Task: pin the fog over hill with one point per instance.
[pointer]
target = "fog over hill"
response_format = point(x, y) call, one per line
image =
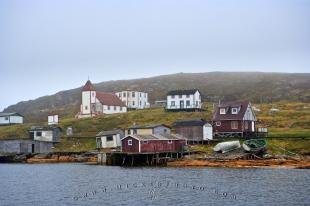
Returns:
point(254, 86)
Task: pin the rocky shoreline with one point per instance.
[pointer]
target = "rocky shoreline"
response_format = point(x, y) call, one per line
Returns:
point(193, 161)
point(55, 157)
point(242, 163)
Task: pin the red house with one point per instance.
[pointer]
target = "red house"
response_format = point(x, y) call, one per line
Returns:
point(234, 119)
point(152, 143)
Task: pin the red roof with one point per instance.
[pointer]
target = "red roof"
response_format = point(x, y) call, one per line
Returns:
point(88, 87)
point(109, 99)
point(243, 105)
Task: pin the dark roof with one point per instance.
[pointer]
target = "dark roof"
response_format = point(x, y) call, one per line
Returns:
point(88, 86)
point(189, 122)
point(150, 126)
point(5, 114)
point(44, 128)
point(243, 105)
point(109, 99)
point(182, 92)
point(156, 137)
point(110, 132)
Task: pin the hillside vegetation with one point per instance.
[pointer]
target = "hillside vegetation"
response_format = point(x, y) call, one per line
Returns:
point(292, 121)
point(254, 86)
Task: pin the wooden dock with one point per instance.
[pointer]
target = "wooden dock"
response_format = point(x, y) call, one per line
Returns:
point(138, 159)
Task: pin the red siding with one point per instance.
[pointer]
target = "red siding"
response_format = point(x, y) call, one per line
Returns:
point(152, 145)
point(226, 126)
point(130, 148)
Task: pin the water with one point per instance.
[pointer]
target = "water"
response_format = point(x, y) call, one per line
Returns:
point(80, 184)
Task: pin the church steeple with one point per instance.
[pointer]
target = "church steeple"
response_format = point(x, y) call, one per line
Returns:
point(88, 86)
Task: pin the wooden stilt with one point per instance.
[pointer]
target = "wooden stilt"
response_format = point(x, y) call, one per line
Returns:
point(132, 157)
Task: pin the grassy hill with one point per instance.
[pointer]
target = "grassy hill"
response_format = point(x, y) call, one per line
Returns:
point(254, 86)
point(292, 121)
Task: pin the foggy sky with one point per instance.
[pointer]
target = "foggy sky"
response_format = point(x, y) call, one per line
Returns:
point(48, 46)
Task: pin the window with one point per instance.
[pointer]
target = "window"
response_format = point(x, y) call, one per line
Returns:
point(145, 95)
point(218, 124)
point(135, 131)
point(39, 134)
point(114, 108)
point(172, 96)
point(188, 103)
point(128, 131)
point(169, 141)
point(145, 142)
point(109, 138)
point(234, 125)
point(120, 95)
point(108, 107)
point(129, 142)
point(246, 125)
point(180, 96)
point(234, 110)
point(133, 94)
point(165, 131)
point(93, 94)
point(121, 108)
point(222, 111)
point(133, 103)
point(140, 94)
point(6, 118)
point(140, 103)
point(86, 108)
point(173, 103)
point(124, 94)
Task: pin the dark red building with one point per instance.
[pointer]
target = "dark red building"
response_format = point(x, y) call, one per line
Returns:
point(234, 119)
point(152, 143)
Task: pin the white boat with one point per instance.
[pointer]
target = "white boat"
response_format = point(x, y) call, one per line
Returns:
point(227, 146)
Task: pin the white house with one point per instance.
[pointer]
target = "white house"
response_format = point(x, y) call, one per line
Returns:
point(134, 99)
point(10, 118)
point(96, 103)
point(184, 100)
point(109, 139)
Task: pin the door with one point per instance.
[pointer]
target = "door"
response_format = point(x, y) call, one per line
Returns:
point(32, 148)
point(253, 126)
point(181, 104)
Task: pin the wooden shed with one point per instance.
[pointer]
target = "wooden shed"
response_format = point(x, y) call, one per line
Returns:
point(109, 139)
point(45, 134)
point(193, 130)
point(153, 143)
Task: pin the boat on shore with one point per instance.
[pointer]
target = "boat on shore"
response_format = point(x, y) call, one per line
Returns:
point(227, 146)
point(254, 145)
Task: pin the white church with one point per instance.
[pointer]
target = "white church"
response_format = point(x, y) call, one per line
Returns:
point(96, 103)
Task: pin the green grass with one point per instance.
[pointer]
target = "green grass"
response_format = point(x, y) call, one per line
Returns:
point(291, 121)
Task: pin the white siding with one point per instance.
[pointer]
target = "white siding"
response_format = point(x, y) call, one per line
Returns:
point(116, 142)
point(137, 101)
point(111, 110)
point(47, 136)
point(11, 120)
point(194, 101)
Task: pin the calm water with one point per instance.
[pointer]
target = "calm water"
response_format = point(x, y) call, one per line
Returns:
point(80, 184)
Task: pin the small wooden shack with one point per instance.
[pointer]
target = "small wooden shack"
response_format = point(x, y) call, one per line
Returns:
point(18, 146)
point(45, 134)
point(109, 139)
point(154, 143)
point(193, 130)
